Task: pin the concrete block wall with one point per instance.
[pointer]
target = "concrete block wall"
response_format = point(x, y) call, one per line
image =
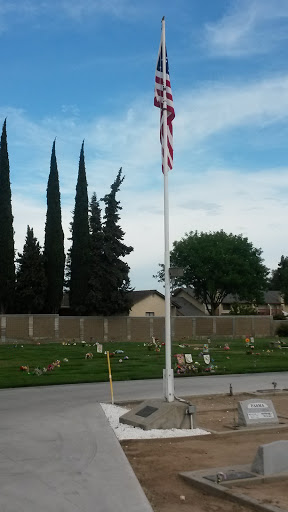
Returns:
point(137, 329)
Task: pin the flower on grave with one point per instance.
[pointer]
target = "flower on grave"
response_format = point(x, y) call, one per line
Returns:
point(50, 367)
point(24, 368)
point(44, 370)
point(126, 357)
point(65, 360)
point(120, 360)
point(37, 371)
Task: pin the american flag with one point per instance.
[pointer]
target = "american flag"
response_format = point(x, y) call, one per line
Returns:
point(158, 102)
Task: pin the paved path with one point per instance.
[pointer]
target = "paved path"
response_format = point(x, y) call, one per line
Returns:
point(59, 454)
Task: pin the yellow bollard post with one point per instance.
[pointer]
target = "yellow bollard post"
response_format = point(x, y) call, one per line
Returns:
point(110, 377)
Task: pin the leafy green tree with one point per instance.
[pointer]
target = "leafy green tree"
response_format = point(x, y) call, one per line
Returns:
point(279, 279)
point(7, 266)
point(30, 277)
point(80, 248)
point(216, 264)
point(54, 255)
point(115, 273)
point(96, 284)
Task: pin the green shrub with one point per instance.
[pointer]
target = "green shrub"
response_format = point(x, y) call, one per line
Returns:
point(282, 329)
point(242, 309)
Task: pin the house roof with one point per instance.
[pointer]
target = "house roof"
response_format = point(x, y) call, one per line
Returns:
point(186, 308)
point(270, 297)
point(138, 295)
point(187, 290)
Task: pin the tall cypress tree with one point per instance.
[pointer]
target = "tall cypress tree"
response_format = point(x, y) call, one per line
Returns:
point(7, 266)
point(30, 277)
point(115, 271)
point(54, 254)
point(80, 249)
point(94, 299)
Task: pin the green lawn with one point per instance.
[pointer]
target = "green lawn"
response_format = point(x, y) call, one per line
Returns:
point(142, 363)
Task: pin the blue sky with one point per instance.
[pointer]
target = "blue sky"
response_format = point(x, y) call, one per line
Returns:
point(85, 70)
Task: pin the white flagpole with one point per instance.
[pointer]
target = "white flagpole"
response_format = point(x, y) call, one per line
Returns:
point(168, 376)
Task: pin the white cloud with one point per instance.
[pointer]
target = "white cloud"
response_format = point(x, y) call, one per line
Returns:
point(19, 11)
point(249, 204)
point(217, 107)
point(249, 27)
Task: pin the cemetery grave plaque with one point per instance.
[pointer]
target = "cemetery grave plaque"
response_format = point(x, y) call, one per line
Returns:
point(231, 475)
point(256, 412)
point(146, 411)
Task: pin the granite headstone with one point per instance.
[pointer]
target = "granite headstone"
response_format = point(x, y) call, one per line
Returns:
point(256, 412)
point(271, 458)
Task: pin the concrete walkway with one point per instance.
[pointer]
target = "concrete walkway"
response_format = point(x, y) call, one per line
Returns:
point(59, 454)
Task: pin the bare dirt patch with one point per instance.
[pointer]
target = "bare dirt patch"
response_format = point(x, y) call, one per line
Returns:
point(158, 462)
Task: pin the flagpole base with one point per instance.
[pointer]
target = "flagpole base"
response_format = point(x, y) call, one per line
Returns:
point(168, 385)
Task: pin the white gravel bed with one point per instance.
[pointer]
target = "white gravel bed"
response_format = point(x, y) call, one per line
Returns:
point(113, 413)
